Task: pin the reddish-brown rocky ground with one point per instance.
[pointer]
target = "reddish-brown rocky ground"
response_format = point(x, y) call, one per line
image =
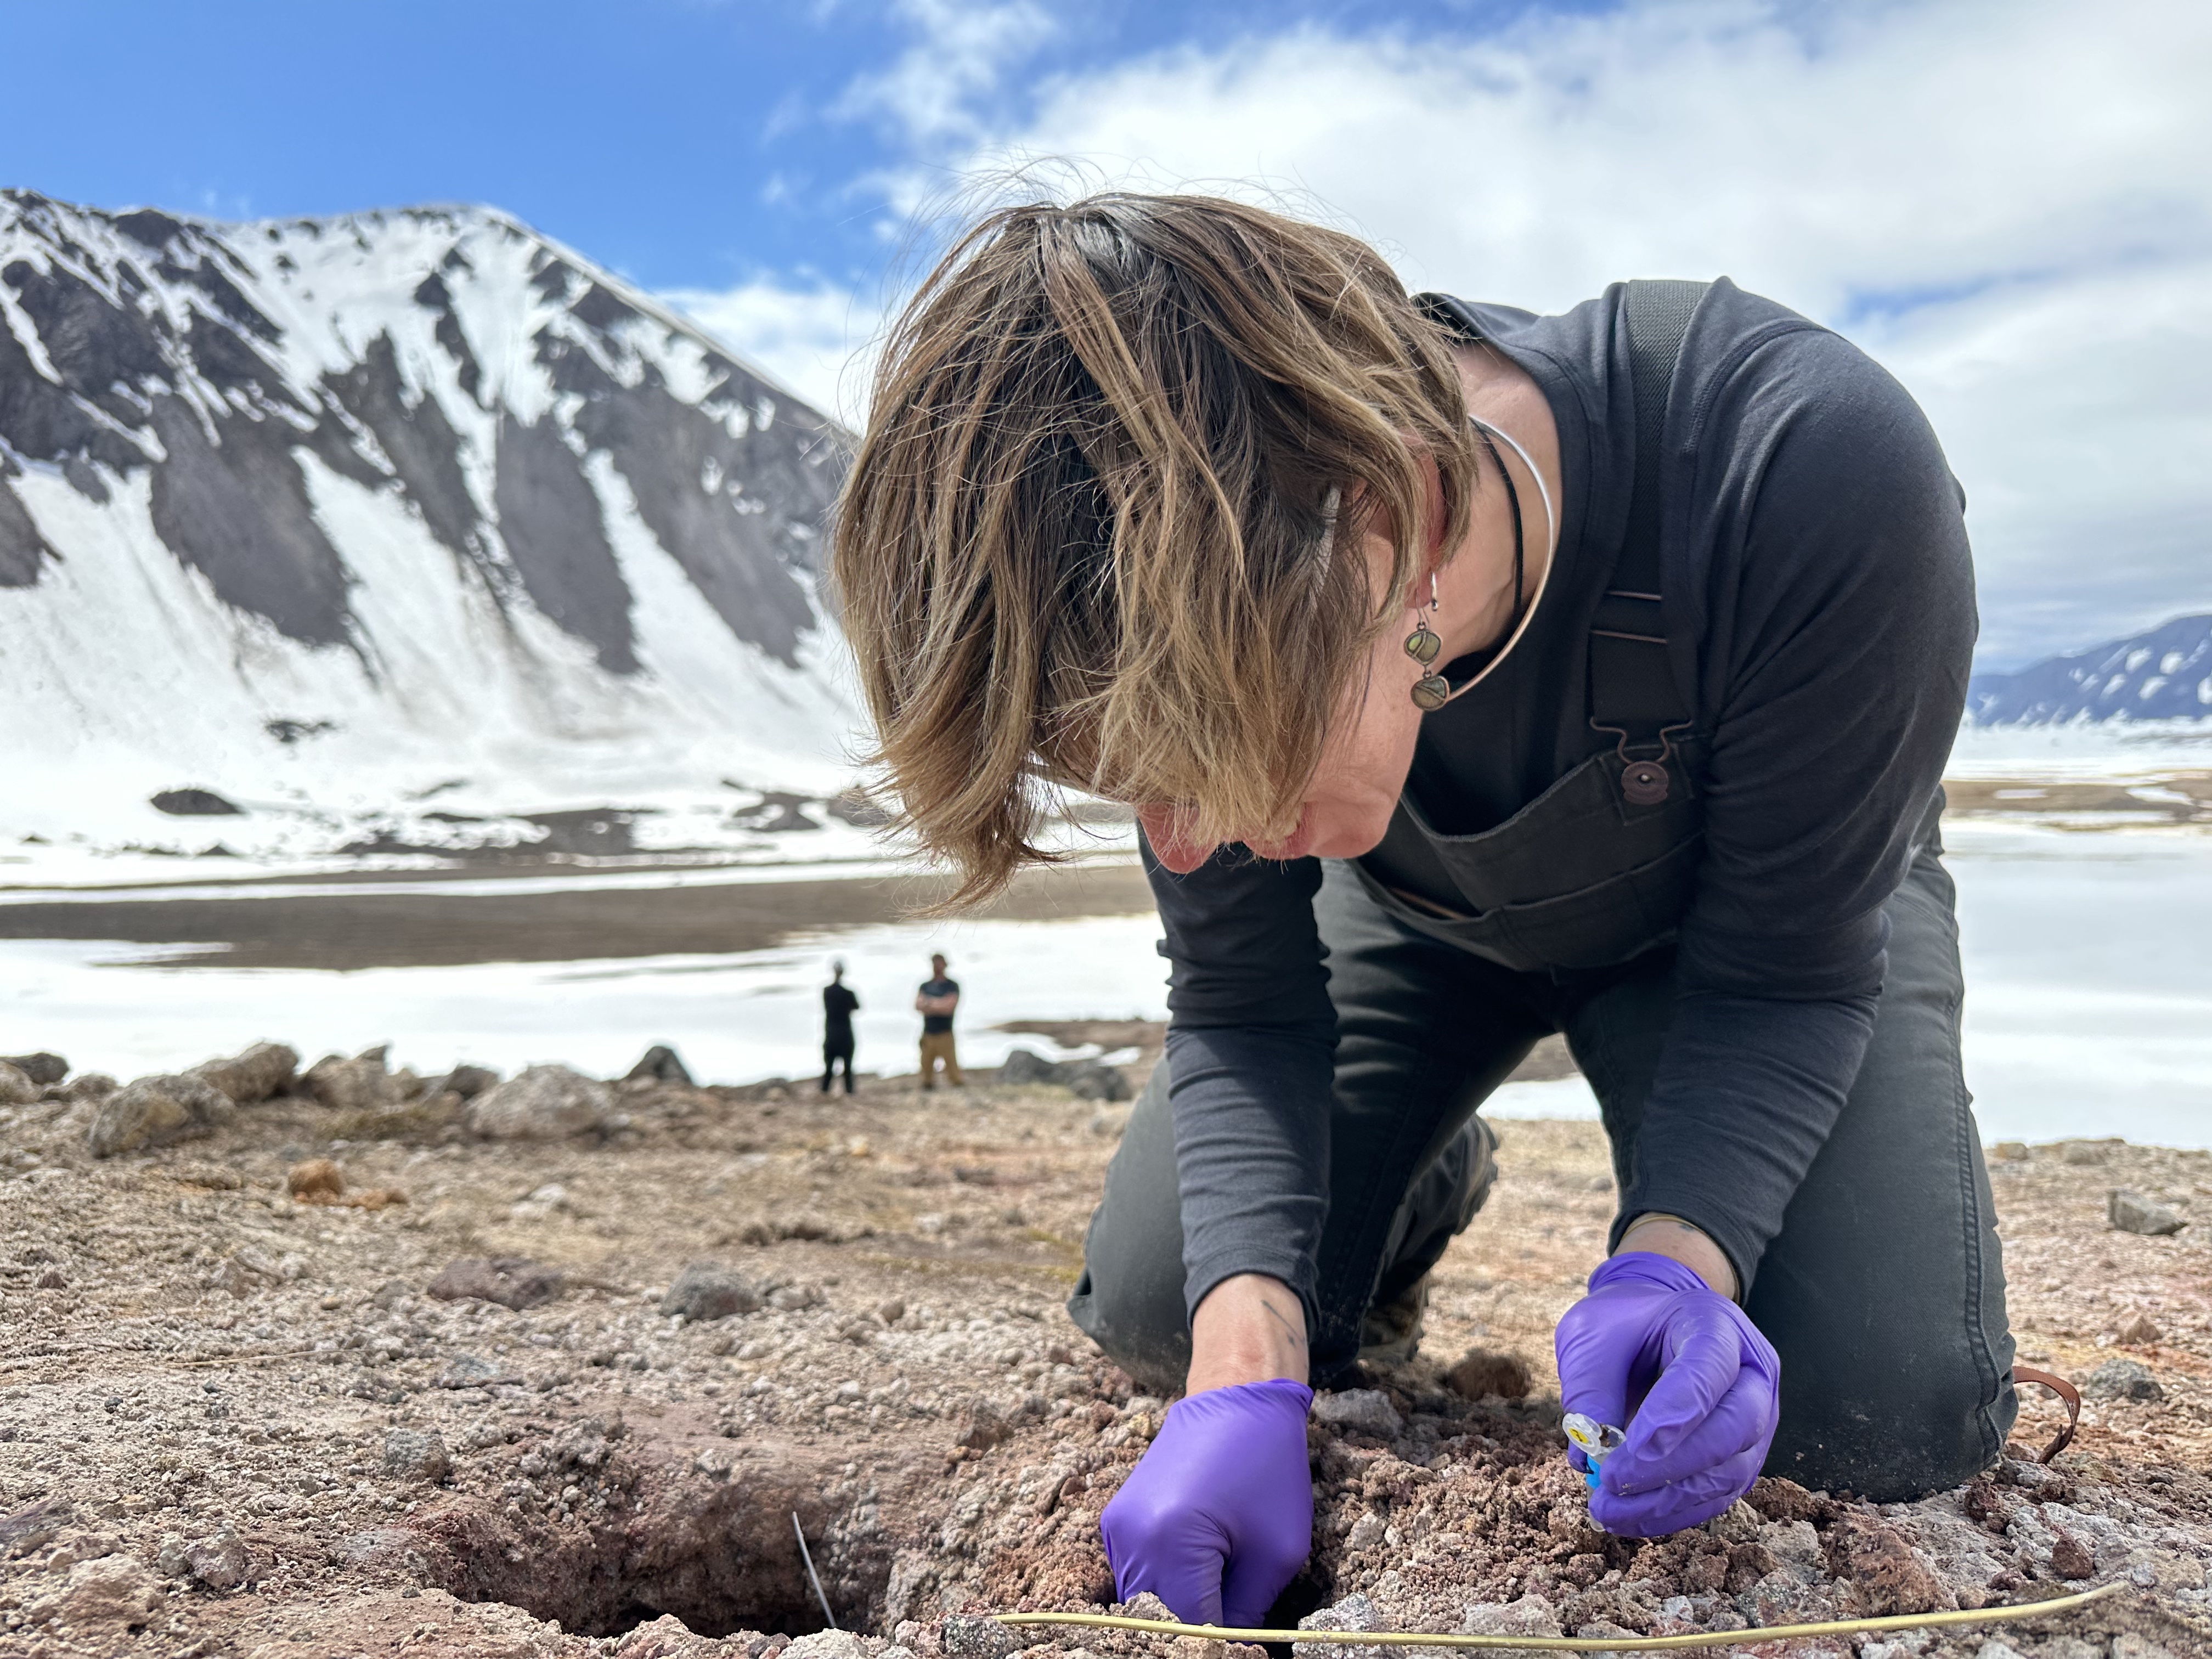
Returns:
point(233, 1423)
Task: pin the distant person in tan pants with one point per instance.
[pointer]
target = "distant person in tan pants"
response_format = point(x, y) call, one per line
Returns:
point(939, 997)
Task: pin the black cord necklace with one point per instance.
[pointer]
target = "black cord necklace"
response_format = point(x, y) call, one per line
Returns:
point(1521, 603)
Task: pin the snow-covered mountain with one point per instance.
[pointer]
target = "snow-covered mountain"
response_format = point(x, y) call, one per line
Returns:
point(2163, 675)
point(379, 527)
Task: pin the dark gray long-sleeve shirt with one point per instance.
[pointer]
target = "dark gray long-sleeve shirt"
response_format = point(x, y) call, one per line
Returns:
point(1820, 606)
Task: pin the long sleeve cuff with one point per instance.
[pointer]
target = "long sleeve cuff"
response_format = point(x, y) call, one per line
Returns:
point(1251, 1118)
point(1747, 1090)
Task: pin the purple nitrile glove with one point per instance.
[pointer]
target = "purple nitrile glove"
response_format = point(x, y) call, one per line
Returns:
point(1217, 1516)
point(1704, 1384)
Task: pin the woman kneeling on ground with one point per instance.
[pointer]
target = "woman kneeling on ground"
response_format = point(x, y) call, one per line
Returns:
point(1475, 676)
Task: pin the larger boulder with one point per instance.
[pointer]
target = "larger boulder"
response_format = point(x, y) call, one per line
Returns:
point(254, 1076)
point(542, 1103)
point(1086, 1079)
point(464, 1080)
point(1094, 1079)
point(707, 1289)
point(2131, 1212)
point(363, 1084)
point(2123, 1379)
point(155, 1111)
point(16, 1088)
point(42, 1068)
point(1026, 1065)
point(660, 1064)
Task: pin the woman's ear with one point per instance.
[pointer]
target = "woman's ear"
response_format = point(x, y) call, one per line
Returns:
point(1436, 517)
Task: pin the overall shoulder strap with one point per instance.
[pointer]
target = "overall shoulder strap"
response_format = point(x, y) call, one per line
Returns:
point(1632, 692)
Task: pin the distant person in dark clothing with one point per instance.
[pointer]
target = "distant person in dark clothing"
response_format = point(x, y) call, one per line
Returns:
point(839, 1004)
point(939, 997)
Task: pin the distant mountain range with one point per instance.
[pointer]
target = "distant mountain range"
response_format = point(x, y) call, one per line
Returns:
point(2165, 674)
point(324, 517)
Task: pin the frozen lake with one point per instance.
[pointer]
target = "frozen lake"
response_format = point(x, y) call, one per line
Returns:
point(2089, 1011)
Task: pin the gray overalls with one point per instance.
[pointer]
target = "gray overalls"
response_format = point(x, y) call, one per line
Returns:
point(1884, 1293)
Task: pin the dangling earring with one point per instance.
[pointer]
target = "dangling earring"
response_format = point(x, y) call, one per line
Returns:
point(1431, 690)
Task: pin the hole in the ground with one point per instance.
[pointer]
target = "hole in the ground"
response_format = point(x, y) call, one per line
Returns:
point(1302, 1595)
point(718, 1555)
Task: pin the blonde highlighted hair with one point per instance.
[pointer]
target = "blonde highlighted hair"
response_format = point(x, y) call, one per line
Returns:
point(1101, 533)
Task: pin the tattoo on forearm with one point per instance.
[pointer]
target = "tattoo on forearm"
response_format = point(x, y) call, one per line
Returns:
point(1296, 1329)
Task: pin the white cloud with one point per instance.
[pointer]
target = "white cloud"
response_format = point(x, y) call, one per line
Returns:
point(2007, 200)
point(818, 341)
point(961, 52)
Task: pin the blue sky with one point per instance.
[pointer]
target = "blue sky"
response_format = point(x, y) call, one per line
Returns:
point(685, 143)
point(2011, 210)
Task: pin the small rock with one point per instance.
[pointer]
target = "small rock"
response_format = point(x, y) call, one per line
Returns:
point(2128, 1645)
point(1886, 1574)
point(1737, 1524)
point(193, 803)
point(90, 1085)
point(828, 1644)
point(469, 1370)
point(1355, 1612)
point(112, 1591)
point(2131, 1212)
point(965, 1637)
point(362, 1084)
point(1997, 1648)
point(17, 1088)
point(890, 1311)
point(1367, 1411)
point(1481, 1372)
point(1781, 1499)
point(215, 1177)
point(982, 1425)
point(658, 1065)
point(416, 1455)
point(28, 1529)
point(2139, 1331)
point(254, 1076)
point(218, 1563)
point(318, 1179)
point(50, 1279)
point(2010, 1151)
point(513, 1281)
point(42, 1068)
point(544, 1103)
point(706, 1289)
point(154, 1111)
point(1531, 1615)
point(2086, 1153)
point(2123, 1379)
point(2071, 1558)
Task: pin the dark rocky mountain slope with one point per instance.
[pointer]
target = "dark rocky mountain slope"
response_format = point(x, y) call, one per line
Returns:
point(323, 514)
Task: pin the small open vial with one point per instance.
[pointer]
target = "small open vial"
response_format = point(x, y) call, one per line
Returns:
point(1597, 1441)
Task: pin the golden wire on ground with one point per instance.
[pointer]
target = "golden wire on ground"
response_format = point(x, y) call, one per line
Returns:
point(1719, 1638)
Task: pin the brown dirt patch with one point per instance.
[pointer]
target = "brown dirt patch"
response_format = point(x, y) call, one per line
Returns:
point(253, 1410)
